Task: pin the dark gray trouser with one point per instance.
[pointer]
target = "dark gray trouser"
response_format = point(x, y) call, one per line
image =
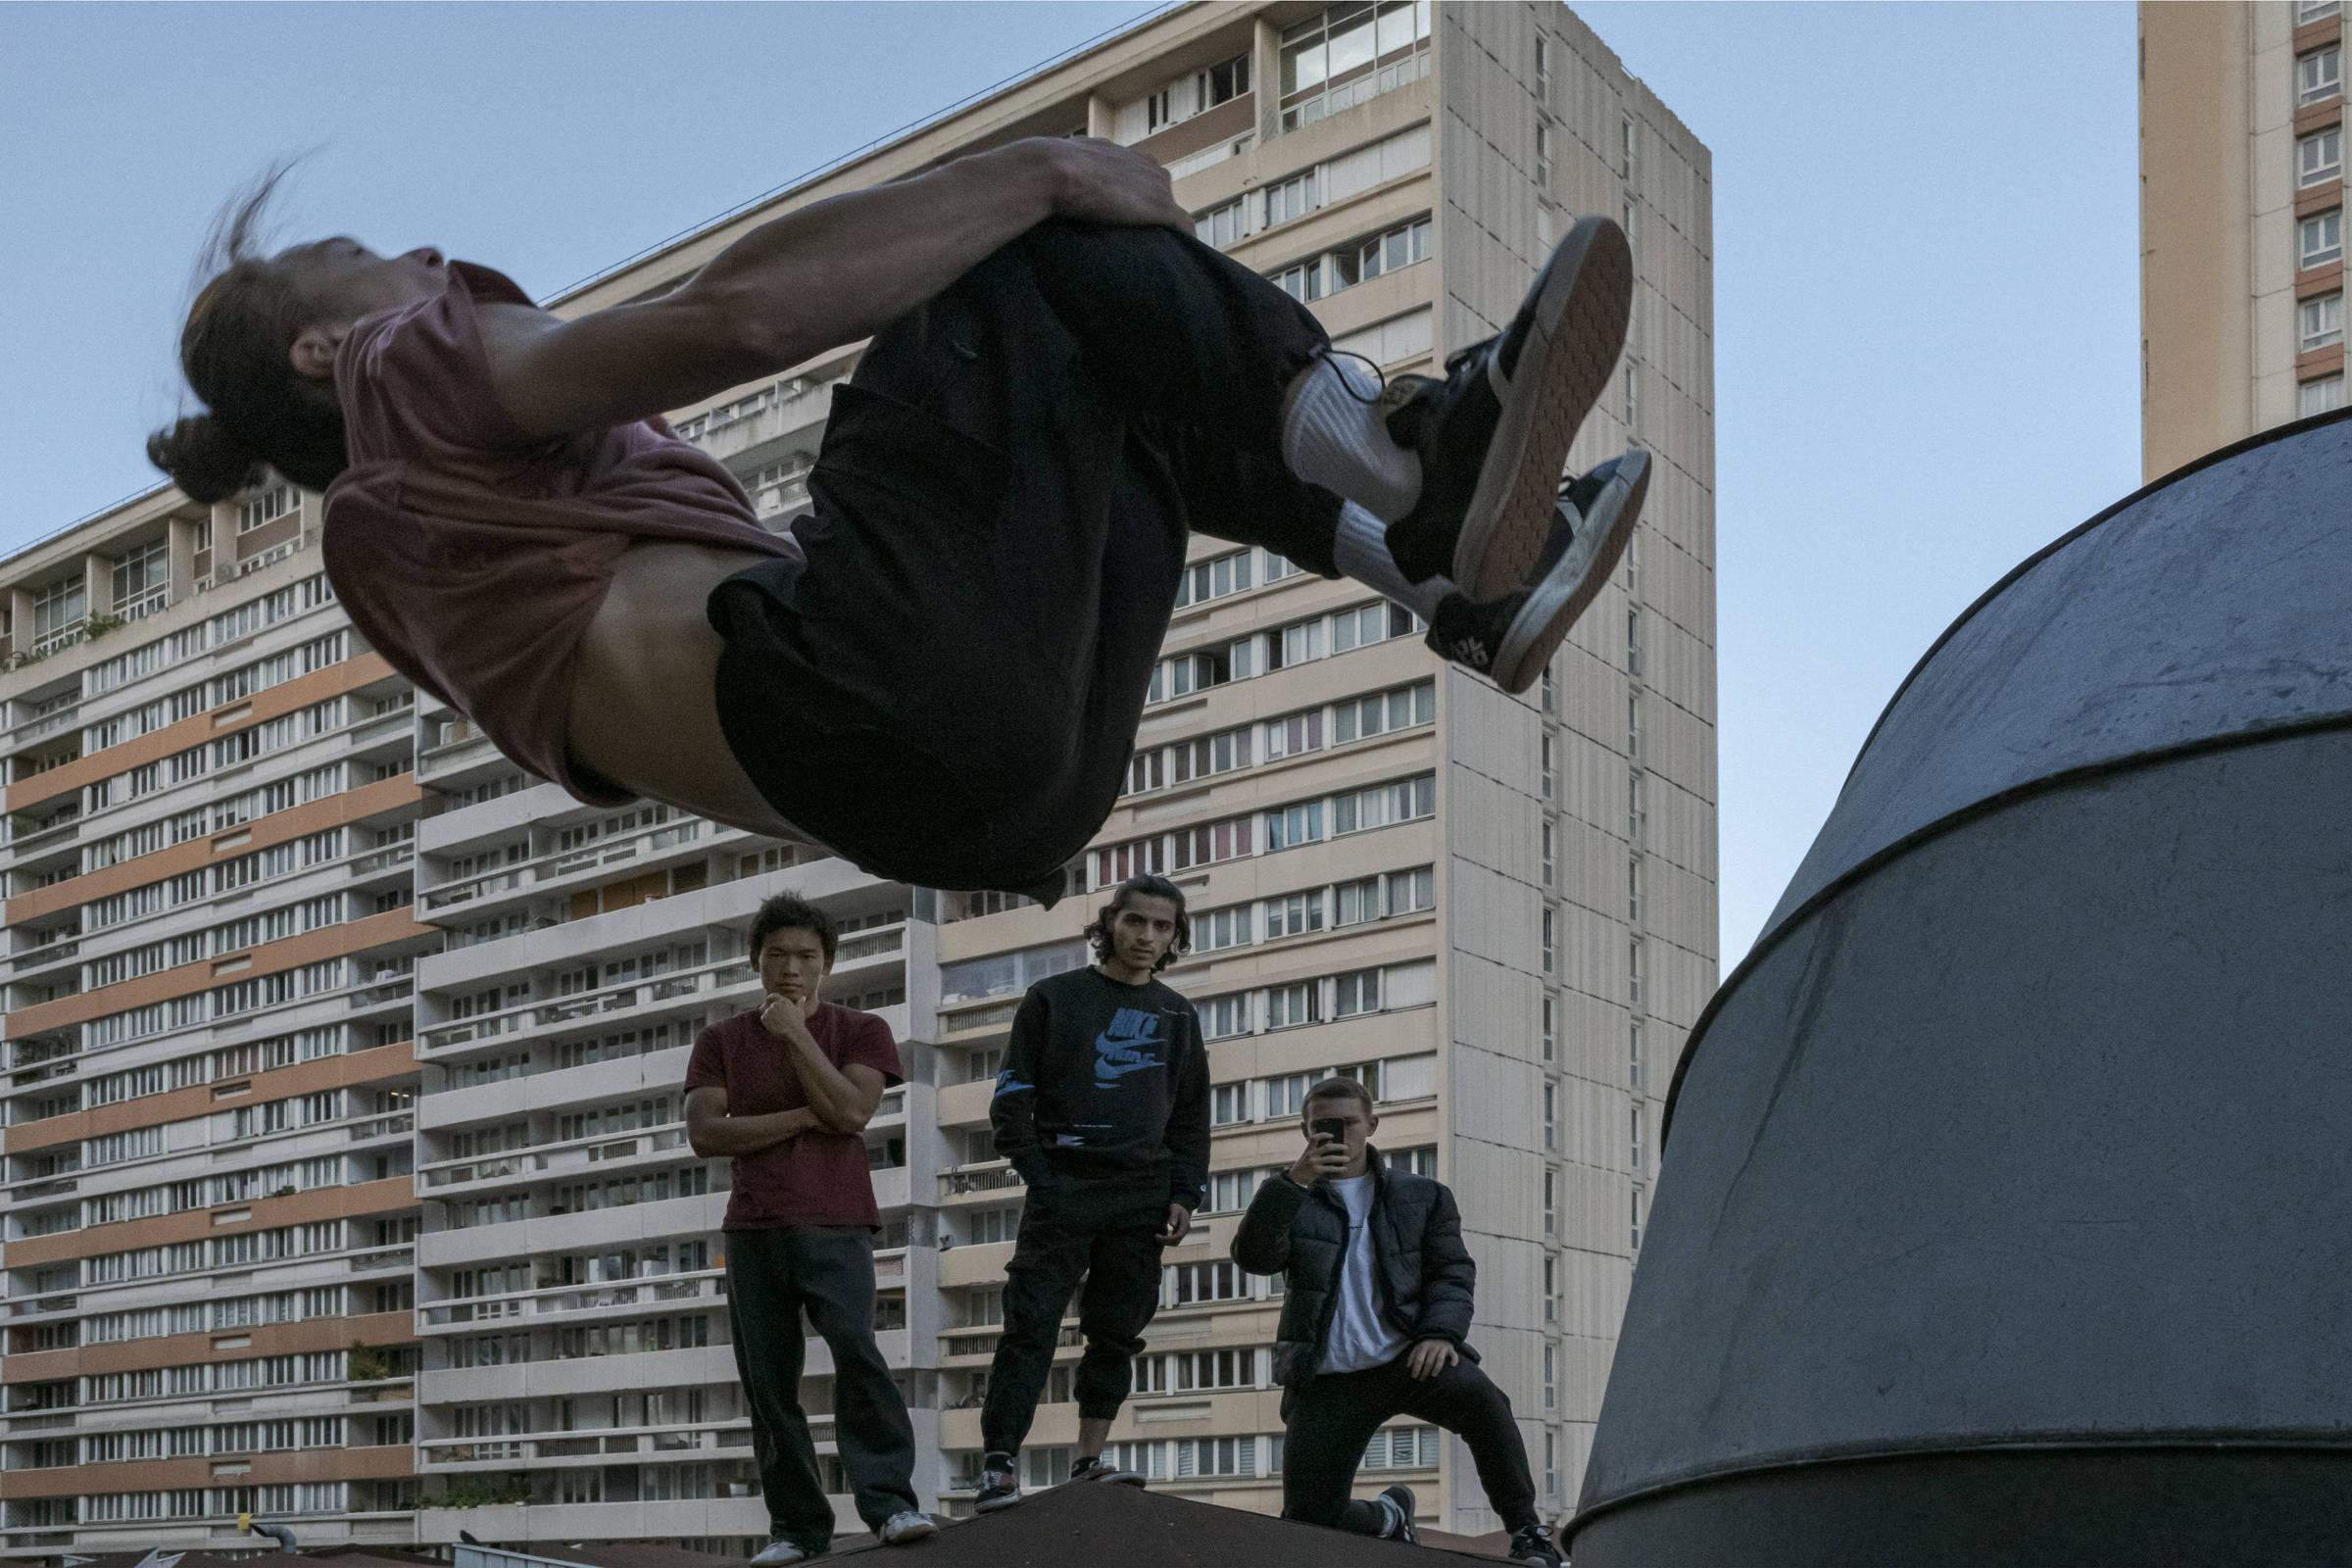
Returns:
point(1114, 1242)
point(828, 1271)
point(1334, 1417)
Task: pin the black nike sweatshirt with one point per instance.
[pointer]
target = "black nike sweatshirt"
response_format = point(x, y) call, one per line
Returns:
point(1105, 1081)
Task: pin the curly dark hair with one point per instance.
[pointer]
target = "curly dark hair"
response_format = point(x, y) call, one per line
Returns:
point(235, 350)
point(1145, 886)
point(789, 911)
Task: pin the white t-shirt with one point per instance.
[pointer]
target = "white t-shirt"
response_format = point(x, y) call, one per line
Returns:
point(1360, 1338)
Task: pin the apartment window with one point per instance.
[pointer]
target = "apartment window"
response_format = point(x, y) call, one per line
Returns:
point(1542, 153)
point(1285, 1096)
point(1633, 403)
point(1222, 225)
point(1635, 1237)
point(2320, 322)
point(1625, 149)
point(1293, 198)
point(2322, 395)
point(1551, 921)
point(1552, 1028)
point(1229, 1103)
point(1633, 891)
point(140, 574)
point(57, 606)
point(2319, 74)
point(1551, 1288)
point(1545, 753)
point(1551, 1200)
point(2319, 239)
point(2319, 158)
point(267, 507)
point(1632, 970)
point(1219, 83)
point(1634, 1150)
point(1548, 837)
point(1350, 54)
point(1635, 1076)
point(1303, 282)
point(2314, 9)
point(1543, 67)
point(1552, 1113)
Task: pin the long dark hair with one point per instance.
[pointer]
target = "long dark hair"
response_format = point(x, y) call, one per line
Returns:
point(1145, 886)
point(235, 350)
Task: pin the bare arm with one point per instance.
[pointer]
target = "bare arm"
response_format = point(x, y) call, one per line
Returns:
point(712, 1133)
point(827, 275)
point(843, 1099)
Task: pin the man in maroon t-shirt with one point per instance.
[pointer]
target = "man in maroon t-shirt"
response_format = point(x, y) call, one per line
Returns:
point(786, 1091)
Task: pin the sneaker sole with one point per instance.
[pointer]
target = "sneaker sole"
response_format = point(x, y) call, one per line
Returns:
point(1555, 605)
point(913, 1533)
point(1582, 301)
point(999, 1506)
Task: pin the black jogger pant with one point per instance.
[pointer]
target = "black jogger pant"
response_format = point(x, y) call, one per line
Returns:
point(828, 1272)
point(948, 693)
point(1334, 1417)
point(1116, 1245)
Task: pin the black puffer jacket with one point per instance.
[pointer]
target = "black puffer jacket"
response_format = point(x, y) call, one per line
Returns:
point(1426, 1279)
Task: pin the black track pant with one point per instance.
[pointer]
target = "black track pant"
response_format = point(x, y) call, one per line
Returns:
point(828, 1272)
point(1063, 1236)
point(1334, 1417)
point(948, 693)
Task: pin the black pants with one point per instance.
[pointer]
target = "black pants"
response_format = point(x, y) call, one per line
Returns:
point(948, 693)
point(1334, 1417)
point(1112, 1241)
point(828, 1272)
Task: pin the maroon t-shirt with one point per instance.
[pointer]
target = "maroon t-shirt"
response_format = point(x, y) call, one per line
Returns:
point(818, 1178)
point(472, 555)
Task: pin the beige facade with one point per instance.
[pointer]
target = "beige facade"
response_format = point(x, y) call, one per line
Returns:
point(2241, 221)
point(1500, 912)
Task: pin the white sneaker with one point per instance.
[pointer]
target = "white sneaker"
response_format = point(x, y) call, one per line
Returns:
point(905, 1526)
point(780, 1550)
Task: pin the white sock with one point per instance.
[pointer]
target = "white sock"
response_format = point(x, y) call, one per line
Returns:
point(1333, 436)
point(1361, 547)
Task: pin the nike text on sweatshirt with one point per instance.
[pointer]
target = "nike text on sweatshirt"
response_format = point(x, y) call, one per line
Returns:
point(1104, 1080)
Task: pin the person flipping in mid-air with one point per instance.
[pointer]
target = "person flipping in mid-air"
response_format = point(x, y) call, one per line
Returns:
point(939, 672)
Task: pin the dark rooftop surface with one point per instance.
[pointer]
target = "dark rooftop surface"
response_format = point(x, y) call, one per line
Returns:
point(1127, 1527)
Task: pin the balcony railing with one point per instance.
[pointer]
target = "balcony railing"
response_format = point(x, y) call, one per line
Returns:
point(571, 1154)
point(505, 1448)
point(979, 1178)
point(47, 725)
point(561, 863)
point(557, 1299)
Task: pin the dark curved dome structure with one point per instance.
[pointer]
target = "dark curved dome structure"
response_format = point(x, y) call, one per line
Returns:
point(2008, 1211)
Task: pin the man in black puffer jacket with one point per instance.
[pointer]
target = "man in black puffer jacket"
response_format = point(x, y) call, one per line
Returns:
point(1375, 1324)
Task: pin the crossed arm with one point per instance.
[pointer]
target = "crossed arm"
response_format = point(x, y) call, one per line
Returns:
point(841, 1100)
point(827, 275)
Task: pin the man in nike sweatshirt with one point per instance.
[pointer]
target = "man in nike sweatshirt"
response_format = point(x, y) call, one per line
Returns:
point(1103, 1107)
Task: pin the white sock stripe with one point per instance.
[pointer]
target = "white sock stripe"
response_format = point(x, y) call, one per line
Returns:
point(1360, 548)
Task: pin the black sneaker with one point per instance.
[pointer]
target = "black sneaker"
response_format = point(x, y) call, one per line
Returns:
point(1493, 435)
point(1397, 1503)
point(1096, 1470)
point(1533, 1543)
point(1000, 1486)
point(1510, 639)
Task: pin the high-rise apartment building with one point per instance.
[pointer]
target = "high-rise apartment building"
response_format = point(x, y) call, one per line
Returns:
point(1498, 912)
point(2242, 161)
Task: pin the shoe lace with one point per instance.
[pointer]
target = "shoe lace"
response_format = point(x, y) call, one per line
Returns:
point(1327, 352)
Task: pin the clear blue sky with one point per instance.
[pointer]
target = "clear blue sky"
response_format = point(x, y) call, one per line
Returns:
point(1927, 298)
